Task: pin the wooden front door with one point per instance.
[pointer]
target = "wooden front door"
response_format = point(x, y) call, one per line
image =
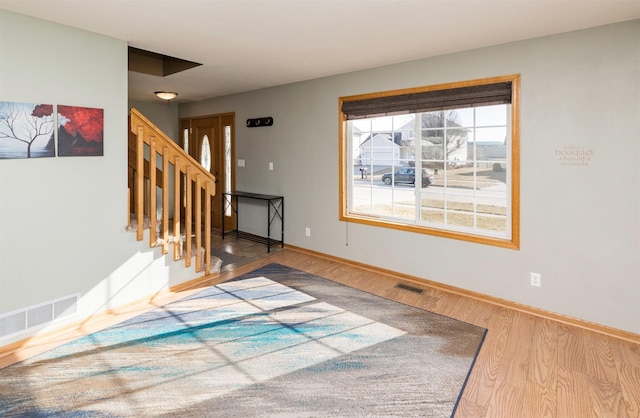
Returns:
point(210, 141)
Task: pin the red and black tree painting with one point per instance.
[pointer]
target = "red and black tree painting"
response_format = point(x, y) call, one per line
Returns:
point(80, 131)
point(26, 130)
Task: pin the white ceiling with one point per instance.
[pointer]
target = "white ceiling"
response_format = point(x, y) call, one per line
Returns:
point(250, 44)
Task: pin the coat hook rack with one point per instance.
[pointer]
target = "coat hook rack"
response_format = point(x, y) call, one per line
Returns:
point(257, 122)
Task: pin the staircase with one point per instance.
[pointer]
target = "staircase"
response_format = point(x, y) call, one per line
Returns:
point(170, 193)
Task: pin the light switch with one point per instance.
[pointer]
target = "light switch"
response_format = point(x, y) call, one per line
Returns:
point(240, 163)
point(271, 166)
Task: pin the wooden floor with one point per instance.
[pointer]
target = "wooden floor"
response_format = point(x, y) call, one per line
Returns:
point(528, 366)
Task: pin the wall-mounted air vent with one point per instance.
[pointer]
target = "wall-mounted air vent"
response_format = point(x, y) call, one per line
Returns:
point(36, 316)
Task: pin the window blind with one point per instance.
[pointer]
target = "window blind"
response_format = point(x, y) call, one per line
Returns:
point(428, 101)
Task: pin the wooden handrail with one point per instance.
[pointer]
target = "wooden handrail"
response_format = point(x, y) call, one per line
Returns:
point(191, 182)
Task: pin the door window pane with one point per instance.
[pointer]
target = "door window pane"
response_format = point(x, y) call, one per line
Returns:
point(185, 140)
point(205, 153)
point(227, 164)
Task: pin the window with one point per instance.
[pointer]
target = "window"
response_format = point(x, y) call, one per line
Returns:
point(185, 140)
point(227, 165)
point(205, 153)
point(440, 160)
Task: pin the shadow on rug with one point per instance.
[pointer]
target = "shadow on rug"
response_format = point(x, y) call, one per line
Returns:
point(273, 342)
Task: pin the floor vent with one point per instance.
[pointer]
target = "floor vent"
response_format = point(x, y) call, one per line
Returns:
point(409, 288)
point(32, 317)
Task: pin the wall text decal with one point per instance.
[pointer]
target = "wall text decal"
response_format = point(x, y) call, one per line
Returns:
point(574, 155)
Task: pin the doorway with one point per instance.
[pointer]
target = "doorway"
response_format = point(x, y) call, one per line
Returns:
point(210, 140)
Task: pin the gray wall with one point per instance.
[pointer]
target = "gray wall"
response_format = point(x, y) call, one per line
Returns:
point(62, 219)
point(580, 224)
point(163, 115)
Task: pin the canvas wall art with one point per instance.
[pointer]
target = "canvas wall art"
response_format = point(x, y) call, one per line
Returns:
point(80, 131)
point(26, 130)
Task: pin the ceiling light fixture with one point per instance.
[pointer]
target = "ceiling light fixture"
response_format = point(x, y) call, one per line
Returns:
point(166, 95)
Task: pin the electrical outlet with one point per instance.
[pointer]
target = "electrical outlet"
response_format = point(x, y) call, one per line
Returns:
point(307, 232)
point(536, 279)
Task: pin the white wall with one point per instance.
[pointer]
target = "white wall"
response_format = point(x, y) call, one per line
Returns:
point(62, 220)
point(580, 224)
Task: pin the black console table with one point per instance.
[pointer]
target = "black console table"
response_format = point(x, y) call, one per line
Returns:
point(275, 210)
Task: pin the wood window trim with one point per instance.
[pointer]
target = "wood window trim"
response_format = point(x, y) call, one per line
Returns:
point(513, 242)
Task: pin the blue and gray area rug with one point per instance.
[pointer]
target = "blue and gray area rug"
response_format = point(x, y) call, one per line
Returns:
point(273, 342)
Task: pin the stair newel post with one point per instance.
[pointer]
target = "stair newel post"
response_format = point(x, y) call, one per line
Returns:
point(165, 200)
point(139, 192)
point(188, 218)
point(152, 193)
point(176, 208)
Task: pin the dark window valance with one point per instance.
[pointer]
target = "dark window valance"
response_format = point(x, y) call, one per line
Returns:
point(428, 101)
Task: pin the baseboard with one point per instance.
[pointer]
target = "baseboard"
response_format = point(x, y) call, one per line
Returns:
point(19, 350)
point(565, 319)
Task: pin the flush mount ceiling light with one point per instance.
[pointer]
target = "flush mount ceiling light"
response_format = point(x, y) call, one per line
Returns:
point(166, 95)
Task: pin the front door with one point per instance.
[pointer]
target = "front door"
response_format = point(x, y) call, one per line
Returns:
point(209, 140)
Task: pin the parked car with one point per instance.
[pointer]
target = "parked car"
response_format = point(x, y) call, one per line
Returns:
point(408, 175)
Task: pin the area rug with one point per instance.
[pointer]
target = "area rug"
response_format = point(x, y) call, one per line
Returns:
point(273, 342)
